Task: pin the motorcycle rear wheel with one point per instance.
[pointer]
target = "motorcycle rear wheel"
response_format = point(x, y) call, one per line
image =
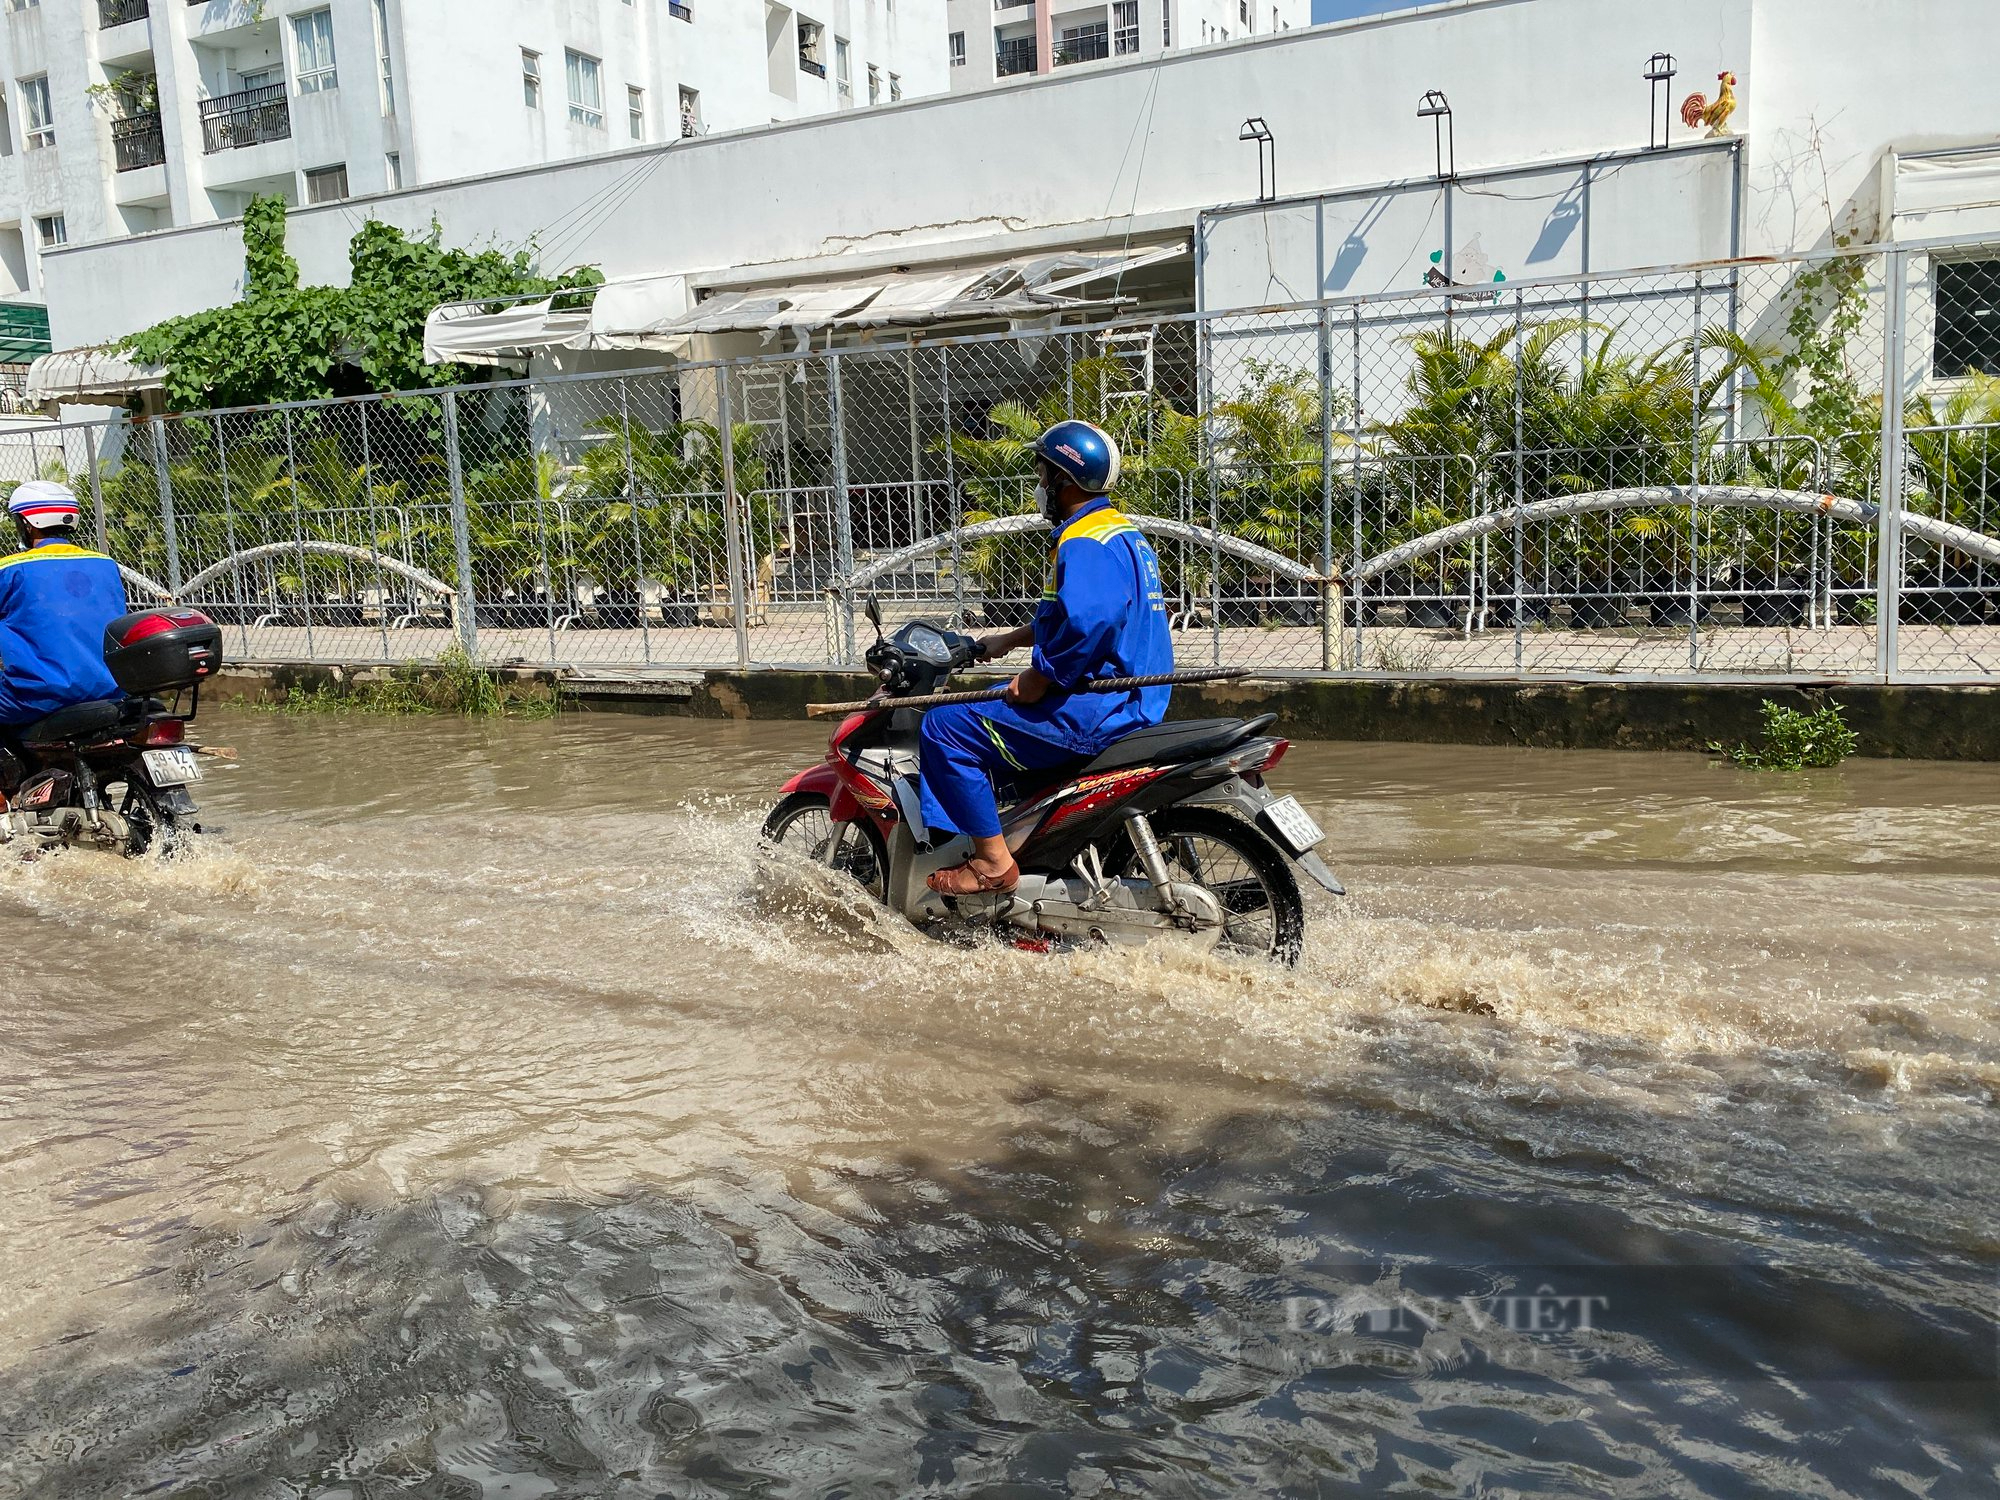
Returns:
point(153, 826)
point(1248, 874)
point(802, 824)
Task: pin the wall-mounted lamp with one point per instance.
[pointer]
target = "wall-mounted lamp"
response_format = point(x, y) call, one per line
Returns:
point(1437, 109)
point(1254, 129)
point(1660, 112)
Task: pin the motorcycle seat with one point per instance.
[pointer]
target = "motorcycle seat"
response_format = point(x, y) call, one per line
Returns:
point(74, 722)
point(1187, 739)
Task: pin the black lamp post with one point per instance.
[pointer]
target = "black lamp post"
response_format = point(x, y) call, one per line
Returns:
point(1437, 109)
point(1660, 109)
point(1254, 129)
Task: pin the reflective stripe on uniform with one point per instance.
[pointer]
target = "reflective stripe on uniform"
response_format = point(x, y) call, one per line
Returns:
point(51, 550)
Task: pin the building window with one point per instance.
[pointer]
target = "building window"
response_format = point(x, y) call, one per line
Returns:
point(895, 87)
point(874, 84)
point(956, 47)
point(1967, 337)
point(52, 231)
point(635, 112)
point(1086, 43)
point(843, 67)
point(382, 52)
point(690, 113)
point(586, 89)
point(393, 167)
point(1243, 11)
point(312, 35)
point(1166, 23)
point(531, 78)
point(1124, 26)
point(327, 184)
point(39, 120)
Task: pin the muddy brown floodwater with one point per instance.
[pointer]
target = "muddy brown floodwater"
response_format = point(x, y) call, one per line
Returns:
point(476, 1115)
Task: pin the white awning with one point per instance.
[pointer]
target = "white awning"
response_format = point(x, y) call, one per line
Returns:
point(769, 310)
point(1938, 193)
point(654, 312)
point(631, 313)
point(914, 299)
point(460, 334)
point(86, 377)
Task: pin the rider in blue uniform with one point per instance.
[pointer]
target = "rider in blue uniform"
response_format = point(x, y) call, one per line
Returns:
point(55, 600)
point(1103, 614)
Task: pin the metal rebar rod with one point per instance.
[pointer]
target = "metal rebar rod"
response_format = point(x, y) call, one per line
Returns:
point(994, 694)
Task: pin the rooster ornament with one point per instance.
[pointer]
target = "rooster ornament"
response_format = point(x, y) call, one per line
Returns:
point(1714, 113)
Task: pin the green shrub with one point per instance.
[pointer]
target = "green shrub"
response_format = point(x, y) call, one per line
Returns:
point(1793, 740)
point(454, 684)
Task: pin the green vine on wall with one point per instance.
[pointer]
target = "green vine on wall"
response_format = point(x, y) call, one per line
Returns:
point(287, 342)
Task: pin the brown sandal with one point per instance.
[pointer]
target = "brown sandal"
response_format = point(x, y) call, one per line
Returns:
point(963, 880)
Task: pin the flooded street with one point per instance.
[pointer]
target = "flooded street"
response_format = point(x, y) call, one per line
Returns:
point(476, 1116)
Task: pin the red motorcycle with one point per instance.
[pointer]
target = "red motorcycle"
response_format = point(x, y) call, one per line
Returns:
point(114, 774)
point(1171, 832)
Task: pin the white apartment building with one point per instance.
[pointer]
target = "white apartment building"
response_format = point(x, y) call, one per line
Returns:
point(121, 117)
point(986, 40)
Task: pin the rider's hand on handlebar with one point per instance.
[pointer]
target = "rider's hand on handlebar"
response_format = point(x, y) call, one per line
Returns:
point(1001, 642)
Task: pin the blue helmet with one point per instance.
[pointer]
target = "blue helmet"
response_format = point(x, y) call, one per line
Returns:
point(1087, 456)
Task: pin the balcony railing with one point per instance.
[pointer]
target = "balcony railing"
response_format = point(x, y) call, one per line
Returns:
point(679, 11)
point(248, 118)
point(1015, 57)
point(118, 12)
point(1084, 46)
point(137, 141)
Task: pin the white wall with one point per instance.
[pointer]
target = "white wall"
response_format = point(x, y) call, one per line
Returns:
point(1098, 150)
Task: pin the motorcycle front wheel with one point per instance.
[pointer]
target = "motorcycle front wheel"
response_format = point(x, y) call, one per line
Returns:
point(802, 824)
point(1264, 916)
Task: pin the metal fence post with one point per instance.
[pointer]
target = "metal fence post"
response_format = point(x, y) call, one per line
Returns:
point(1206, 387)
point(1354, 591)
point(96, 488)
point(1694, 493)
point(374, 532)
point(1329, 593)
point(1520, 486)
point(165, 484)
point(843, 517)
point(243, 612)
point(1889, 486)
point(638, 522)
point(732, 524)
point(461, 531)
point(951, 492)
point(299, 534)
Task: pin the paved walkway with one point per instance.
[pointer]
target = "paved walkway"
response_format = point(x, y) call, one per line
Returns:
point(803, 640)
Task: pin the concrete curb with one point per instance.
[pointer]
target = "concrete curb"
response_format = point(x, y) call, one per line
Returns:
point(1905, 722)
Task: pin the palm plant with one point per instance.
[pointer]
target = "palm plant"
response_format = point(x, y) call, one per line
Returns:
point(659, 501)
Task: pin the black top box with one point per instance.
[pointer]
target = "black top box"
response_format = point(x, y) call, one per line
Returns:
point(162, 650)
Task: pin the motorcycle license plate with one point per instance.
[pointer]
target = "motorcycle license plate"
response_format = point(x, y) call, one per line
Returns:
point(172, 767)
point(1292, 824)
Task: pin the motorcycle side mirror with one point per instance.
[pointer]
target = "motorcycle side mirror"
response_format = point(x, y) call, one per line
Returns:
point(873, 608)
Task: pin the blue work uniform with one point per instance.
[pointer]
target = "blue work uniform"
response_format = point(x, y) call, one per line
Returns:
point(55, 601)
point(1103, 614)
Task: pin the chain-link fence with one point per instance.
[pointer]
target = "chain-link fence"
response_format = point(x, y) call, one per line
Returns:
point(1669, 475)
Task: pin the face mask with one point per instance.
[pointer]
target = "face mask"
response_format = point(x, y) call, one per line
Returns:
point(1046, 500)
